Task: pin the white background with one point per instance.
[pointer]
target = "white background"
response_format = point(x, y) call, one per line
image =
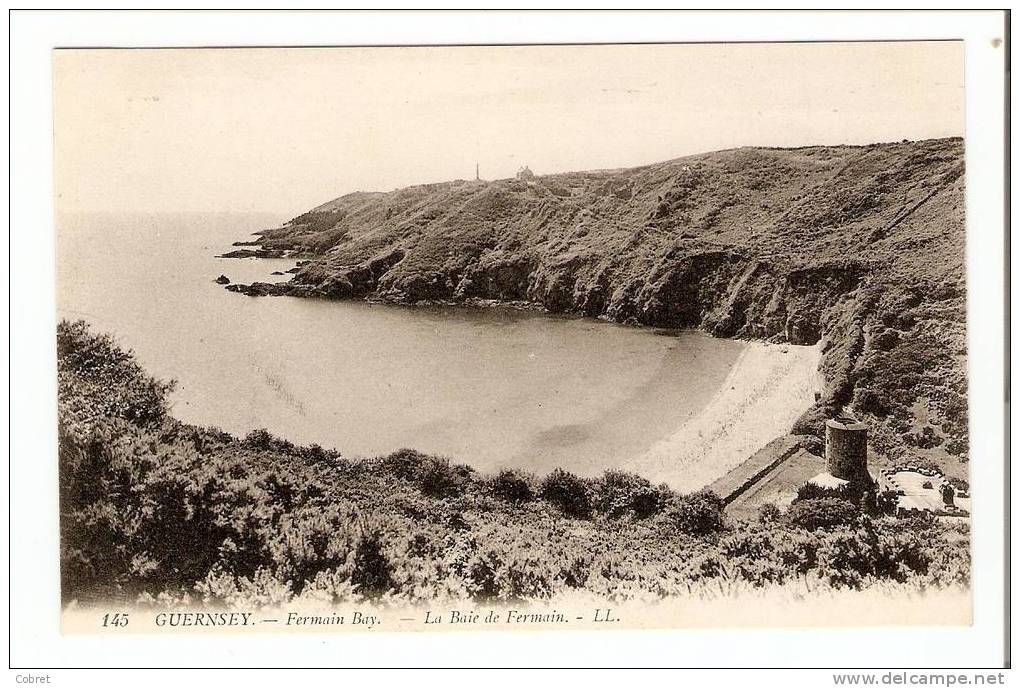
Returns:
point(34, 601)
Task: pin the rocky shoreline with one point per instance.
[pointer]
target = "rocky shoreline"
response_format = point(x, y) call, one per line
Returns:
point(254, 253)
point(859, 249)
point(753, 302)
point(291, 288)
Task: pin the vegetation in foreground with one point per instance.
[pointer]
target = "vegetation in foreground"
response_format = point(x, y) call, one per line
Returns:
point(152, 509)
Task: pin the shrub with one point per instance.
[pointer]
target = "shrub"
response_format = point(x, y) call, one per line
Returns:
point(618, 493)
point(98, 380)
point(261, 589)
point(813, 491)
point(769, 513)
point(372, 569)
point(404, 463)
point(960, 484)
point(437, 478)
point(698, 513)
point(307, 542)
point(812, 421)
point(511, 575)
point(751, 555)
point(886, 339)
point(827, 512)
point(864, 497)
point(567, 492)
point(260, 438)
point(511, 486)
point(925, 439)
point(869, 401)
point(264, 440)
point(886, 503)
point(314, 453)
point(433, 475)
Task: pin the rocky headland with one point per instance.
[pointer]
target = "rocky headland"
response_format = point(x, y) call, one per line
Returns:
point(859, 249)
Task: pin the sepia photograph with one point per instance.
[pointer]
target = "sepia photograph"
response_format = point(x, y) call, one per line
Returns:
point(514, 359)
point(514, 338)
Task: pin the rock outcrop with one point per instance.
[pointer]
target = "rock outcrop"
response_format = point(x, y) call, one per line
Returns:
point(254, 253)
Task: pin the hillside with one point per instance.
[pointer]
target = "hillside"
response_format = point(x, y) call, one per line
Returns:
point(861, 247)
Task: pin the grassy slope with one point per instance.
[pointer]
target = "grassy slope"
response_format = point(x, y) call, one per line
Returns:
point(861, 247)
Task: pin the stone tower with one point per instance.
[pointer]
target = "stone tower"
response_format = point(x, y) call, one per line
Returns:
point(846, 450)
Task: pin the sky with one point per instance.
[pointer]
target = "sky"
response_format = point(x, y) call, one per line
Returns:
point(282, 130)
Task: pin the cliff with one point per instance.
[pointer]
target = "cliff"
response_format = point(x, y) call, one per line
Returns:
point(861, 247)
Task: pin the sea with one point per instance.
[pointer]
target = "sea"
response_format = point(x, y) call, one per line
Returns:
point(488, 387)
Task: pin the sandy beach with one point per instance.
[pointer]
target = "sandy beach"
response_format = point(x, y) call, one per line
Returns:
point(767, 389)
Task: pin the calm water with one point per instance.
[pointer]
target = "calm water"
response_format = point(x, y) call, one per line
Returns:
point(486, 387)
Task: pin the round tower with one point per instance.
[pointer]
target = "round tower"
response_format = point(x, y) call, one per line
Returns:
point(846, 449)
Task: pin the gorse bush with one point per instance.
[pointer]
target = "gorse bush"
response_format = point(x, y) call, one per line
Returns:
point(303, 547)
point(866, 498)
point(886, 503)
point(960, 484)
point(155, 510)
point(567, 492)
point(512, 486)
point(841, 558)
point(618, 493)
point(405, 463)
point(99, 380)
point(828, 512)
point(433, 475)
point(698, 513)
point(437, 478)
point(769, 513)
point(266, 441)
point(813, 491)
point(372, 574)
